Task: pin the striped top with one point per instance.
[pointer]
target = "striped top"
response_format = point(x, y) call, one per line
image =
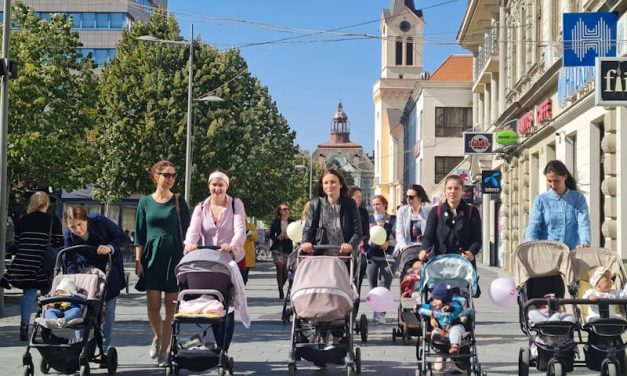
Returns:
point(31, 240)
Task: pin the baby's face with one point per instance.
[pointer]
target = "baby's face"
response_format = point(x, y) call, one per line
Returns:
point(61, 292)
point(605, 283)
point(436, 303)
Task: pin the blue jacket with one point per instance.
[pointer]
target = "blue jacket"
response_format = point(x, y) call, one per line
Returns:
point(562, 218)
point(102, 231)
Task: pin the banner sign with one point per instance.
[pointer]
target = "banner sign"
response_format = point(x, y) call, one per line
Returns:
point(611, 82)
point(491, 181)
point(588, 36)
point(478, 143)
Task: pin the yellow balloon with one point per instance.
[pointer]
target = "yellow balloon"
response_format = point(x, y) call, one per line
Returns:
point(295, 231)
point(378, 235)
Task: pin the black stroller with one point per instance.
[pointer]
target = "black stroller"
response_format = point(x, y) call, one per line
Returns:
point(58, 348)
point(323, 298)
point(202, 273)
point(408, 325)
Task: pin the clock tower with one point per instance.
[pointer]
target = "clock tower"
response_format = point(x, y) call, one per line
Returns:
point(401, 30)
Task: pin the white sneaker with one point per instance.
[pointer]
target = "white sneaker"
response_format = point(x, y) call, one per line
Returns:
point(154, 349)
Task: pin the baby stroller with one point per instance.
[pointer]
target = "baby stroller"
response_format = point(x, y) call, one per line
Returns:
point(202, 274)
point(361, 325)
point(457, 272)
point(604, 350)
point(58, 347)
point(286, 313)
point(408, 324)
point(541, 268)
point(323, 297)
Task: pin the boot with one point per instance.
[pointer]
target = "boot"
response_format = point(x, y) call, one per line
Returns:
point(281, 294)
point(24, 332)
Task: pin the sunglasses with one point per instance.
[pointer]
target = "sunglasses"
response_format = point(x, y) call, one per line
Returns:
point(167, 175)
point(409, 197)
point(282, 209)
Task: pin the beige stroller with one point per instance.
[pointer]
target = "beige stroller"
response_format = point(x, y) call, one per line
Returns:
point(322, 299)
point(604, 349)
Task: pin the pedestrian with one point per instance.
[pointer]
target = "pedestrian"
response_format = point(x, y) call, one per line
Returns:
point(453, 227)
point(249, 248)
point(107, 238)
point(220, 221)
point(412, 218)
point(33, 233)
point(282, 246)
point(561, 213)
point(161, 222)
point(357, 195)
point(333, 219)
point(379, 268)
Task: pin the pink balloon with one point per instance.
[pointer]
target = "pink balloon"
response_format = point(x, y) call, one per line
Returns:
point(379, 299)
point(503, 292)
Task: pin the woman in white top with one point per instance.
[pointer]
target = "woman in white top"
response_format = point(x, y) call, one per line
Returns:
point(411, 219)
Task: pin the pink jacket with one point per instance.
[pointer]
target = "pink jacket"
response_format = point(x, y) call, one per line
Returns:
point(231, 227)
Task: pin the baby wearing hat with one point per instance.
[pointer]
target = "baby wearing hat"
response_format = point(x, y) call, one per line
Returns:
point(58, 314)
point(601, 281)
point(446, 314)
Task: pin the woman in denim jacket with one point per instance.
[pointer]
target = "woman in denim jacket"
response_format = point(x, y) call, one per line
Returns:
point(561, 213)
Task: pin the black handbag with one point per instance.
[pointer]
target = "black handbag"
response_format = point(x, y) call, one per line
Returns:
point(50, 255)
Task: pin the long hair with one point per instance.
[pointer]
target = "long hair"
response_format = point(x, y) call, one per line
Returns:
point(37, 201)
point(559, 168)
point(420, 192)
point(340, 177)
point(276, 214)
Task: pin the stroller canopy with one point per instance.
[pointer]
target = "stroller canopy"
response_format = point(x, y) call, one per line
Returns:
point(454, 270)
point(584, 259)
point(203, 261)
point(542, 258)
point(407, 255)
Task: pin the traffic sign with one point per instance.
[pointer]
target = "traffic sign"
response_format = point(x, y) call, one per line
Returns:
point(588, 36)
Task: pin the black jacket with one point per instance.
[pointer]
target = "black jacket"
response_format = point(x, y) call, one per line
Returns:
point(285, 245)
point(451, 235)
point(365, 224)
point(349, 221)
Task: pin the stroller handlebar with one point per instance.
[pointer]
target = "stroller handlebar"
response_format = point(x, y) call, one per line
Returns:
point(77, 248)
point(325, 250)
point(560, 302)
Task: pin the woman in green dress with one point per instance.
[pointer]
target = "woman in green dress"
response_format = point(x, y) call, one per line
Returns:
point(162, 219)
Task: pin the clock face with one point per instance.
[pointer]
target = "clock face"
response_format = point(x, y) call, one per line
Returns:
point(405, 26)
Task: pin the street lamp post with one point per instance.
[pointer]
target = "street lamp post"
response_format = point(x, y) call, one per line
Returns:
point(190, 85)
point(310, 172)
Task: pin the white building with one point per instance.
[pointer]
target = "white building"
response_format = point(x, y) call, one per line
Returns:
point(435, 116)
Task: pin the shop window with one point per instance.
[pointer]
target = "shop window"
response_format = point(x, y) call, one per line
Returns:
point(452, 121)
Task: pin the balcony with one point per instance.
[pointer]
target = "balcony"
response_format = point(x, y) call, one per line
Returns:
point(487, 59)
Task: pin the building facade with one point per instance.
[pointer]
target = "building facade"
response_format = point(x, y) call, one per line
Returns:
point(99, 22)
point(401, 29)
point(520, 83)
point(434, 119)
point(346, 156)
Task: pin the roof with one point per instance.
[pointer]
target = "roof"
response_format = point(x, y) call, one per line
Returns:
point(455, 68)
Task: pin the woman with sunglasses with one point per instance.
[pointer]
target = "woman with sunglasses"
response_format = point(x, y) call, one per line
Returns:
point(411, 219)
point(162, 219)
point(281, 244)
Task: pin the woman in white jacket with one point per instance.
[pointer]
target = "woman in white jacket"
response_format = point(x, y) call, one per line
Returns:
point(411, 219)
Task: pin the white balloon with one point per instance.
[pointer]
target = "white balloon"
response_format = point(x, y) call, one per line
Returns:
point(503, 292)
point(379, 299)
point(378, 235)
point(295, 231)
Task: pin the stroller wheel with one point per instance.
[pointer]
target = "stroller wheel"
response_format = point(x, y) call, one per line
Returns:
point(358, 360)
point(112, 360)
point(609, 368)
point(84, 371)
point(29, 370)
point(231, 366)
point(523, 361)
point(44, 367)
point(555, 369)
point(363, 328)
point(291, 368)
point(350, 369)
point(221, 371)
point(405, 336)
point(394, 334)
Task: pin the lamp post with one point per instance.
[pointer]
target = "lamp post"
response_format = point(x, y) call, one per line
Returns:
point(190, 85)
point(310, 172)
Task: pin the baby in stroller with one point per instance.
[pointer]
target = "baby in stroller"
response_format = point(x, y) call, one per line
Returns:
point(446, 313)
point(601, 281)
point(58, 314)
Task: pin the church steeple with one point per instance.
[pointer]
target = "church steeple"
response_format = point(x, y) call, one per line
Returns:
point(402, 30)
point(340, 131)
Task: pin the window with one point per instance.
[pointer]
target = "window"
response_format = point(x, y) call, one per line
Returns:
point(444, 165)
point(88, 20)
point(409, 54)
point(399, 52)
point(102, 20)
point(100, 55)
point(452, 121)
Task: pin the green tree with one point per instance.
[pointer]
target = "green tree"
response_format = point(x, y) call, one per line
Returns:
point(143, 119)
point(52, 106)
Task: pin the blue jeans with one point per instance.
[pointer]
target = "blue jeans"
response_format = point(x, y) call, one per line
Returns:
point(26, 304)
point(218, 331)
point(107, 325)
point(68, 314)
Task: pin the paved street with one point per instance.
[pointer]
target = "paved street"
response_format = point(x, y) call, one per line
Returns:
point(262, 350)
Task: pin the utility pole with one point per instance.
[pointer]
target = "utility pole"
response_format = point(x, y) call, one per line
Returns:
point(4, 134)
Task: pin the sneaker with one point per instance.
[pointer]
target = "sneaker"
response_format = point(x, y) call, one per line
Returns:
point(381, 319)
point(162, 360)
point(24, 332)
point(154, 349)
point(194, 342)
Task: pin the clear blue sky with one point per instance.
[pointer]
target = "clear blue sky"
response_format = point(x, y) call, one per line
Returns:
point(308, 76)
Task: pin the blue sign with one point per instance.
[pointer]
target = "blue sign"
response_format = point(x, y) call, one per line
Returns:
point(588, 36)
point(491, 181)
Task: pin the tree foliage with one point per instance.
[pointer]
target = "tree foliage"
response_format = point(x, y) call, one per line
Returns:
point(52, 105)
point(143, 112)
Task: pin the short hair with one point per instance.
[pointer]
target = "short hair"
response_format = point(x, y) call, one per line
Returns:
point(37, 201)
point(353, 189)
point(158, 167)
point(74, 212)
